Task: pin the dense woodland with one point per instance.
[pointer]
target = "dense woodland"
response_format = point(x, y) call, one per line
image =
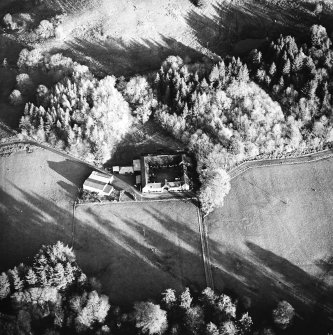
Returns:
point(299, 76)
point(53, 296)
point(80, 113)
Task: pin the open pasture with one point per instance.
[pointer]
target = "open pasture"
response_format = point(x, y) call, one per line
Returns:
point(272, 240)
point(139, 249)
point(37, 191)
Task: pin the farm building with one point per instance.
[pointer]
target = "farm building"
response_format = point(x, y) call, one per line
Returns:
point(138, 179)
point(126, 170)
point(137, 165)
point(115, 169)
point(99, 183)
point(161, 173)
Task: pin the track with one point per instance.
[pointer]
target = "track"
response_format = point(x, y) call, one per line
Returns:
point(205, 250)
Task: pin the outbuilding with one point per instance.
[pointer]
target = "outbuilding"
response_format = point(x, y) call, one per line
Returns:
point(126, 170)
point(99, 183)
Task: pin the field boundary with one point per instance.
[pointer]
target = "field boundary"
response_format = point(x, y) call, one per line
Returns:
point(307, 158)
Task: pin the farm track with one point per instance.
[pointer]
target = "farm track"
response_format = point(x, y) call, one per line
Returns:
point(205, 250)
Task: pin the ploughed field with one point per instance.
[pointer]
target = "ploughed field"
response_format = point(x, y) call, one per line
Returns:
point(137, 250)
point(272, 239)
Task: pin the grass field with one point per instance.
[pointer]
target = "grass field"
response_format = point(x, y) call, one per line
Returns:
point(139, 249)
point(135, 249)
point(272, 239)
point(37, 191)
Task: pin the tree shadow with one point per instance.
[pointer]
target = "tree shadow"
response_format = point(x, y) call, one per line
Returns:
point(234, 21)
point(137, 250)
point(148, 138)
point(267, 278)
point(65, 169)
point(138, 259)
point(114, 56)
point(26, 225)
point(69, 188)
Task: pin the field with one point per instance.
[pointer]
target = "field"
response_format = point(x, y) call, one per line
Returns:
point(135, 249)
point(272, 239)
point(37, 191)
point(139, 249)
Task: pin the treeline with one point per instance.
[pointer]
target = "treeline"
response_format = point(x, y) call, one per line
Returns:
point(299, 76)
point(53, 296)
point(80, 114)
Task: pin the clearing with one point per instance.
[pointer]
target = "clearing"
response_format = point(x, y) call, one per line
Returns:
point(137, 250)
point(272, 239)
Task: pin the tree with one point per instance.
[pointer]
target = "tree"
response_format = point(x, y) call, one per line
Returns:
point(15, 98)
point(211, 329)
point(45, 30)
point(245, 324)
point(194, 320)
point(283, 314)
point(286, 67)
point(272, 70)
point(213, 190)
point(186, 299)
point(169, 298)
point(150, 318)
point(4, 286)
point(228, 328)
point(31, 277)
point(24, 83)
point(318, 36)
point(94, 309)
point(8, 22)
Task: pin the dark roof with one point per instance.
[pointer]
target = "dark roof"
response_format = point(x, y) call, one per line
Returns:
point(99, 185)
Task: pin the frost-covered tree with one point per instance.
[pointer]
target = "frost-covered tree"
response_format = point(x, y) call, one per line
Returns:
point(150, 318)
point(283, 314)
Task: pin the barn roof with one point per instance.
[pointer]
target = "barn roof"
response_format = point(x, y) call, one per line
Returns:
point(93, 183)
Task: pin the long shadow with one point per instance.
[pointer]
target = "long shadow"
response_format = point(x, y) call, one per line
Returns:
point(26, 225)
point(139, 253)
point(267, 278)
point(149, 138)
point(66, 167)
point(116, 57)
point(143, 260)
point(239, 20)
